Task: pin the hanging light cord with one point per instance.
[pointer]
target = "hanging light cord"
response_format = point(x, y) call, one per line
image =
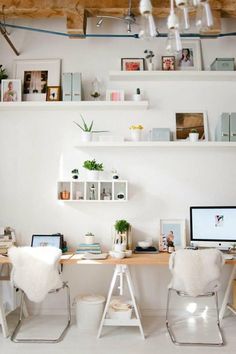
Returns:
point(136, 36)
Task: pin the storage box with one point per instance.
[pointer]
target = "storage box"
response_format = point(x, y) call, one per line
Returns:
point(223, 64)
point(160, 134)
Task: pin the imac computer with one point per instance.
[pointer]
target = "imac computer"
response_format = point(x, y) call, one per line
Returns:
point(213, 226)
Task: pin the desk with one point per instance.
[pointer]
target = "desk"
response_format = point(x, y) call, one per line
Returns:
point(160, 259)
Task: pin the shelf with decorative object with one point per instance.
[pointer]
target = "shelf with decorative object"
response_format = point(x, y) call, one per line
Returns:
point(161, 75)
point(92, 191)
point(158, 144)
point(72, 106)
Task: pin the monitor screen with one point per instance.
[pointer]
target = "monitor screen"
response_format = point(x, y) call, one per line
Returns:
point(213, 225)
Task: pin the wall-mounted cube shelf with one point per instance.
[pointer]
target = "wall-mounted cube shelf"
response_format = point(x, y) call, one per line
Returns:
point(92, 191)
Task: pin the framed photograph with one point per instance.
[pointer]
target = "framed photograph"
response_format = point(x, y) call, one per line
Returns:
point(190, 56)
point(54, 93)
point(132, 64)
point(47, 240)
point(115, 95)
point(172, 230)
point(186, 121)
point(11, 90)
point(168, 63)
point(36, 76)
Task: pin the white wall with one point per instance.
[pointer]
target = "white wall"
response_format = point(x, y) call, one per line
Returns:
point(163, 183)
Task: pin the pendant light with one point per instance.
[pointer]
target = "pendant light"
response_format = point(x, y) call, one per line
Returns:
point(183, 6)
point(204, 17)
point(174, 44)
point(149, 29)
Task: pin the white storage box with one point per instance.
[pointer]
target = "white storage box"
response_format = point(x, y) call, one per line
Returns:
point(89, 310)
point(120, 310)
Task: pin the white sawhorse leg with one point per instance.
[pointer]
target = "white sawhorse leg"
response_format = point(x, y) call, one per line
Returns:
point(3, 321)
point(227, 293)
point(120, 271)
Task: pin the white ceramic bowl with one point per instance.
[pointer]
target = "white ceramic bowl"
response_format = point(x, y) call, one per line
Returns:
point(144, 244)
point(128, 253)
point(115, 254)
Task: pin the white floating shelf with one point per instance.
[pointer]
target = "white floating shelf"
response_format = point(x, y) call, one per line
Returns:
point(82, 105)
point(158, 144)
point(172, 75)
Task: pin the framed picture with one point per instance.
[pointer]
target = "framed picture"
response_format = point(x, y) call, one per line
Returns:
point(115, 95)
point(186, 121)
point(11, 90)
point(54, 93)
point(36, 76)
point(190, 56)
point(47, 240)
point(168, 63)
point(132, 64)
point(172, 230)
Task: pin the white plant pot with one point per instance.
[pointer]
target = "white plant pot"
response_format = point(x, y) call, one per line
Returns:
point(89, 240)
point(86, 136)
point(193, 137)
point(150, 66)
point(120, 247)
point(137, 97)
point(92, 175)
point(136, 134)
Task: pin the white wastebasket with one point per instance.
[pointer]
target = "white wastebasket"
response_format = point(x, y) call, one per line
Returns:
point(89, 310)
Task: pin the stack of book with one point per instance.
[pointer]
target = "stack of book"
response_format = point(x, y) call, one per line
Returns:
point(94, 248)
point(5, 243)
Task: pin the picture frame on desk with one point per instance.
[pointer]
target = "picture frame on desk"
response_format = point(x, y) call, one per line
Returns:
point(36, 75)
point(173, 229)
point(185, 121)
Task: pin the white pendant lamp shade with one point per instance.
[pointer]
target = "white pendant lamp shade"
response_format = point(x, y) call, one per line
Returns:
point(204, 18)
point(172, 21)
point(145, 7)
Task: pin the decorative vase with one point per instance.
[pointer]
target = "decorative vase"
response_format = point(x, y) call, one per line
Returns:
point(92, 175)
point(193, 137)
point(137, 97)
point(150, 66)
point(136, 134)
point(86, 136)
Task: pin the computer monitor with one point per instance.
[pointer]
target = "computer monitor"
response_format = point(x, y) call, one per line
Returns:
point(213, 226)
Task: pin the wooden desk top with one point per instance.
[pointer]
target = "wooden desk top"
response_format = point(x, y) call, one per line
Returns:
point(136, 259)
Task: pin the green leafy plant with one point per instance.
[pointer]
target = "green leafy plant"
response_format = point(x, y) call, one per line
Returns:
point(92, 165)
point(149, 55)
point(194, 131)
point(122, 226)
point(3, 73)
point(88, 127)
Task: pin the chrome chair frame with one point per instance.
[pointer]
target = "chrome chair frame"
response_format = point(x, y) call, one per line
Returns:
point(20, 322)
point(170, 330)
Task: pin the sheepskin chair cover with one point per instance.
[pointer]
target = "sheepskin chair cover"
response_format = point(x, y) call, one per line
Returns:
point(35, 270)
point(196, 272)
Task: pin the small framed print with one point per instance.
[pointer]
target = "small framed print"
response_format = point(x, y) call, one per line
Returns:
point(132, 64)
point(53, 93)
point(47, 240)
point(168, 63)
point(186, 122)
point(189, 57)
point(115, 95)
point(174, 231)
point(11, 90)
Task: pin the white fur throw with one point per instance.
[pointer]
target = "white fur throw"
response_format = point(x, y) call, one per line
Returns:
point(196, 272)
point(35, 270)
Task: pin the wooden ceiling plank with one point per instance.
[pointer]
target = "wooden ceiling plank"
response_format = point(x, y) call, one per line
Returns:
point(77, 22)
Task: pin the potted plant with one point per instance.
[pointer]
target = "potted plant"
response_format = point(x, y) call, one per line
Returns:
point(75, 173)
point(193, 135)
point(89, 238)
point(149, 56)
point(93, 168)
point(137, 96)
point(136, 132)
point(122, 240)
point(86, 134)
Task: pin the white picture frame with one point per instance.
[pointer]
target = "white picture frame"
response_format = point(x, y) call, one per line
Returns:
point(11, 90)
point(115, 95)
point(45, 72)
point(191, 60)
point(188, 114)
point(175, 226)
